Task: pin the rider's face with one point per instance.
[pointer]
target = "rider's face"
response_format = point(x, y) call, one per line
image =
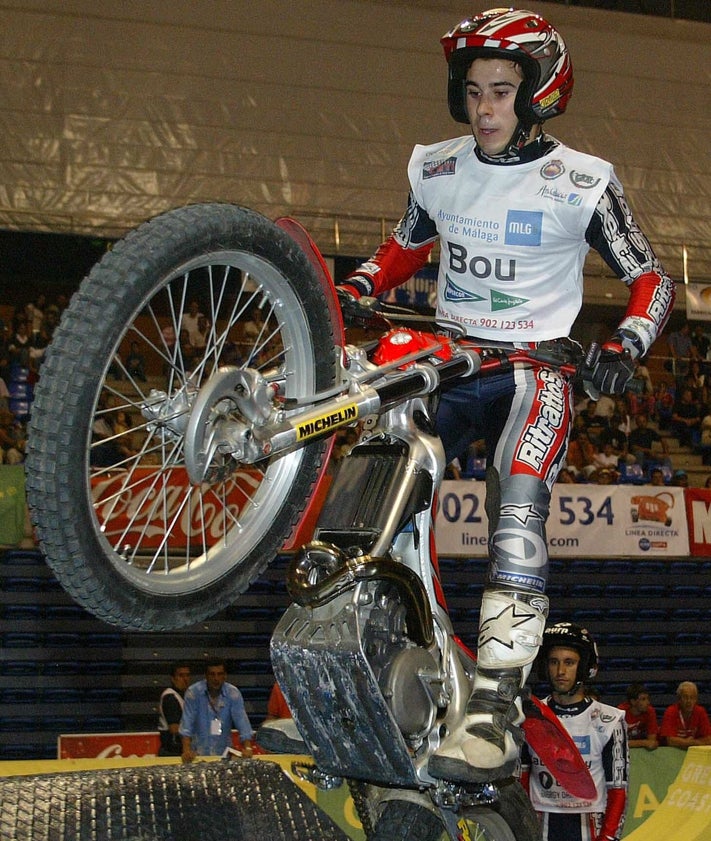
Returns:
point(491, 86)
point(563, 669)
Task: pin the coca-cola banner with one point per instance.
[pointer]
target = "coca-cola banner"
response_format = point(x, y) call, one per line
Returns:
point(111, 745)
point(132, 507)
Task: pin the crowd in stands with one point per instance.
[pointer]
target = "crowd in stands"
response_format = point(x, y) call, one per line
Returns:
point(24, 337)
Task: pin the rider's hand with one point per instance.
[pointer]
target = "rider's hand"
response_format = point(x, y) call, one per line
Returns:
point(611, 371)
point(356, 307)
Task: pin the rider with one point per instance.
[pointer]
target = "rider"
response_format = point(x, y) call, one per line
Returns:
point(515, 212)
point(568, 658)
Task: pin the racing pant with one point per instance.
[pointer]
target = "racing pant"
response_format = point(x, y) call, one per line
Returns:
point(524, 415)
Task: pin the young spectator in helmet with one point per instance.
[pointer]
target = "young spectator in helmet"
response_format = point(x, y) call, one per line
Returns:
point(515, 212)
point(567, 659)
point(641, 718)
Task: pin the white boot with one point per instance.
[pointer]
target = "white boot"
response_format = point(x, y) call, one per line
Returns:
point(486, 744)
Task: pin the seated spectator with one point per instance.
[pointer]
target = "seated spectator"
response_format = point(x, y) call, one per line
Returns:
point(656, 477)
point(566, 476)
point(664, 397)
point(686, 419)
point(696, 381)
point(646, 444)
point(605, 476)
point(685, 723)
point(700, 342)
point(641, 718)
point(592, 421)
point(581, 454)
point(606, 458)
point(680, 479)
point(135, 363)
point(617, 438)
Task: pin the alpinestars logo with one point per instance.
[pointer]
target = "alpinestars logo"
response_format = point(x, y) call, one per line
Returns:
point(456, 294)
point(498, 628)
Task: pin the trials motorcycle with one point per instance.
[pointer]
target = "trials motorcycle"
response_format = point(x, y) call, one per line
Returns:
point(161, 521)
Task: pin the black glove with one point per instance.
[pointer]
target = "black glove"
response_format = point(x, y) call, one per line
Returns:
point(609, 370)
point(356, 309)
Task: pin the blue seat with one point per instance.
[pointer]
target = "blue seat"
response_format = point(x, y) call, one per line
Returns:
point(618, 567)
point(652, 614)
point(651, 591)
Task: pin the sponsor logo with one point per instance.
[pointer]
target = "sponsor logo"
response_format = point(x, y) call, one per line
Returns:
point(455, 293)
point(523, 227)
point(552, 169)
point(582, 180)
point(549, 100)
point(503, 301)
point(481, 267)
point(560, 196)
point(308, 429)
point(431, 169)
point(538, 437)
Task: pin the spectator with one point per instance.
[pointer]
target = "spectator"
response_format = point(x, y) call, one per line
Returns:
point(680, 479)
point(606, 458)
point(593, 422)
point(707, 483)
point(656, 477)
point(685, 723)
point(680, 350)
point(212, 708)
point(170, 711)
point(686, 419)
point(12, 439)
point(641, 373)
point(566, 476)
point(581, 454)
point(276, 705)
point(190, 322)
point(605, 476)
point(135, 363)
point(664, 397)
point(646, 444)
point(641, 718)
point(567, 660)
point(617, 438)
point(700, 342)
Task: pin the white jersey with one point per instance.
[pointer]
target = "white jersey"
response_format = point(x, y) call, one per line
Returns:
point(599, 731)
point(513, 243)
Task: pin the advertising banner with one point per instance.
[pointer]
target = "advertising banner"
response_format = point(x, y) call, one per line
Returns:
point(606, 521)
point(698, 301)
point(698, 515)
point(109, 745)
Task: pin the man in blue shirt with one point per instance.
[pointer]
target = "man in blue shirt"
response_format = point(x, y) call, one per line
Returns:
point(212, 708)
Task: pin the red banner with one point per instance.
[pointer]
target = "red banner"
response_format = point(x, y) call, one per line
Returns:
point(137, 506)
point(107, 745)
point(698, 515)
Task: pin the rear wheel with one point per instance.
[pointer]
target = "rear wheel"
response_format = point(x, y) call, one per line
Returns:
point(127, 532)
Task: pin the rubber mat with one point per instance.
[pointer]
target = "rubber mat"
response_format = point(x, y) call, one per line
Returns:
point(240, 800)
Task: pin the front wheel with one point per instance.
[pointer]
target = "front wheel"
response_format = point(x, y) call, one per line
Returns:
point(128, 532)
point(511, 819)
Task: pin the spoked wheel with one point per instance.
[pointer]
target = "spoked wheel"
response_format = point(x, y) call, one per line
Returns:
point(130, 533)
point(511, 819)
